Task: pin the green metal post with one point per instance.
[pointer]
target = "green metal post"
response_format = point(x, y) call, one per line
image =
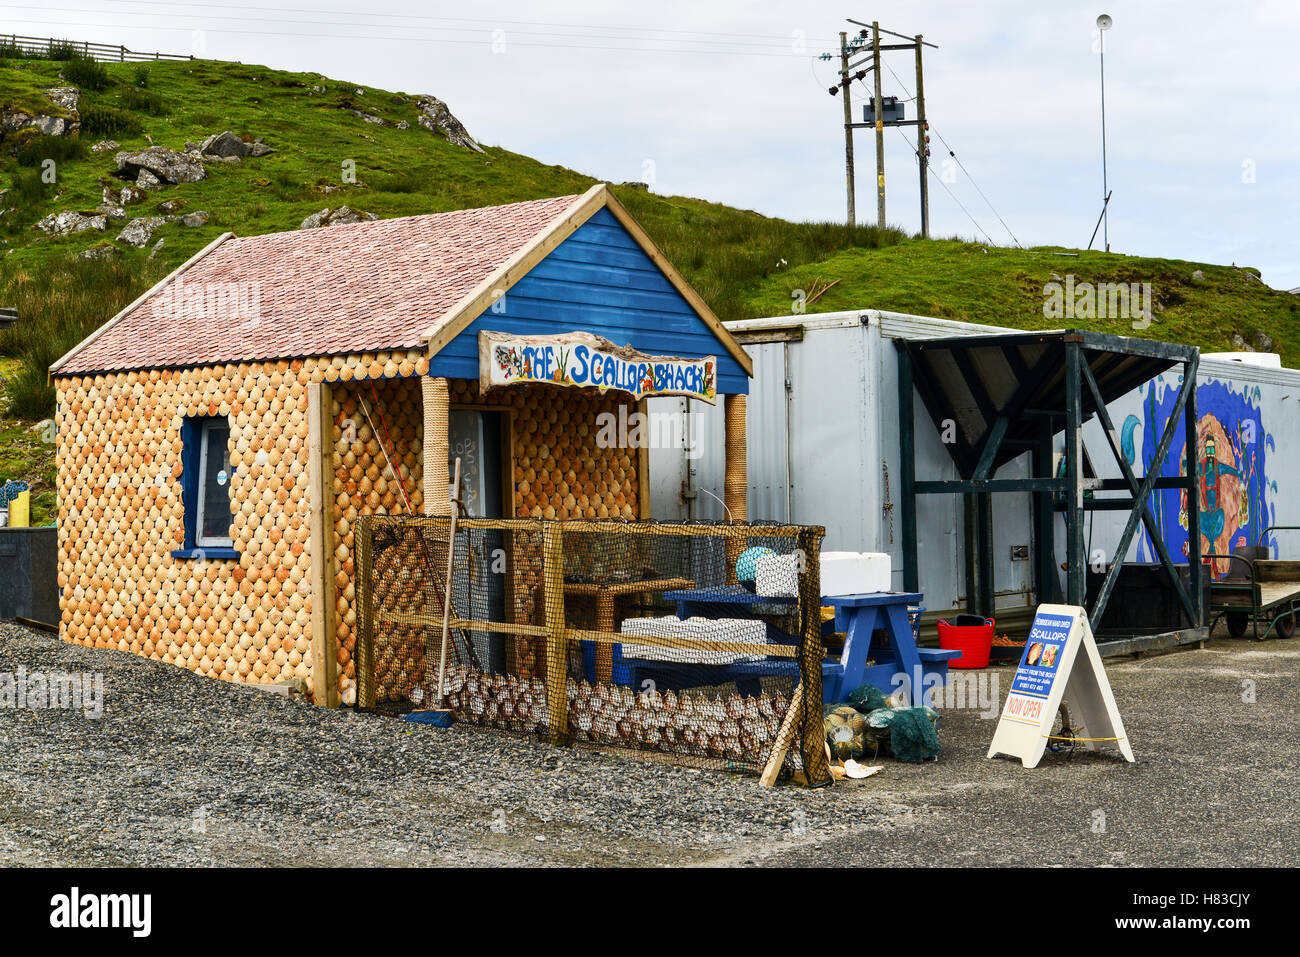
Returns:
point(1076, 560)
point(907, 468)
point(1190, 424)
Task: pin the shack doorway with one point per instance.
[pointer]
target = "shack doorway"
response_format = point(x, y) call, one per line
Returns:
point(480, 439)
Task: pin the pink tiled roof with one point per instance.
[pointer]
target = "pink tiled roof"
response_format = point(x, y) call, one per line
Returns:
point(335, 289)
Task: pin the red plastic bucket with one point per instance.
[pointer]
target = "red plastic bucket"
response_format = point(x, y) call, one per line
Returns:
point(975, 642)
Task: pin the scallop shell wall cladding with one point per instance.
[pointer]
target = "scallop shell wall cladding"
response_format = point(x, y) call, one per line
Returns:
point(121, 507)
point(558, 470)
point(121, 513)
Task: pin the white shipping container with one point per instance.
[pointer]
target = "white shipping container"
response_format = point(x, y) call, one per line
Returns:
point(823, 449)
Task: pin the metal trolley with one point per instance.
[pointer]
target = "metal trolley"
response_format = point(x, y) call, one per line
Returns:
point(1257, 588)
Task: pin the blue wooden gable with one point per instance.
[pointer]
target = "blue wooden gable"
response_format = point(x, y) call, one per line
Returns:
point(599, 281)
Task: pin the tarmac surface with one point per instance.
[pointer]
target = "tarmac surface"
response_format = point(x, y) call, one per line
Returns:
point(184, 770)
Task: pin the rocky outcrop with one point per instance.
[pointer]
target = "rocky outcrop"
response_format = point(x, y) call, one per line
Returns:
point(63, 121)
point(336, 217)
point(369, 117)
point(101, 251)
point(226, 147)
point(161, 166)
point(139, 231)
point(71, 221)
point(64, 97)
point(106, 146)
point(434, 115)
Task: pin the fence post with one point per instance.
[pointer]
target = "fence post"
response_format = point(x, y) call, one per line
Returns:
point(557, 658)
point(121, 53)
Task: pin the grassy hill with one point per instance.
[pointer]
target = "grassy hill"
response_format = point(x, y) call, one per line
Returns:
point(382, 161)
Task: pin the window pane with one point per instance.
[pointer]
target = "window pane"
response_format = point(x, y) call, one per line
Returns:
point(215, 520)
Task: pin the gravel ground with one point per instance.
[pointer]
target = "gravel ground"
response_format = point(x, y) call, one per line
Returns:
point(184, 770)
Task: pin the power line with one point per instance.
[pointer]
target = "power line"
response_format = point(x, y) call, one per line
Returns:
point(638, 32)
point(413, 39)
point(939, 179)
point(962, 165)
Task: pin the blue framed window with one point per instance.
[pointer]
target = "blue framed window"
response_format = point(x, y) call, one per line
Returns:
point(206, 478)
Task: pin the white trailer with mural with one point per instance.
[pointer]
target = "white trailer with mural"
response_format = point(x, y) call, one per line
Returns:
point(823, 427)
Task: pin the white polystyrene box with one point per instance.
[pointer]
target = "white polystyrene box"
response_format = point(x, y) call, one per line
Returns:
point(854, 573)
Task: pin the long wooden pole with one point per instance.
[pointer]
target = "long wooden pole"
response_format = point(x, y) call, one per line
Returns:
point(880, 127)
point(446, 596)
point(848, 127)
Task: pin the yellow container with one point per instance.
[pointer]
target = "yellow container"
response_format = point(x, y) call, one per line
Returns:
point(20, 510)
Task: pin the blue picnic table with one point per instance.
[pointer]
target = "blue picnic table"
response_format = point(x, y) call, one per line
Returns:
point(897, 657)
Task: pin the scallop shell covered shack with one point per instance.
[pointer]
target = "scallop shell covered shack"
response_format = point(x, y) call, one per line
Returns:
point(219, 438)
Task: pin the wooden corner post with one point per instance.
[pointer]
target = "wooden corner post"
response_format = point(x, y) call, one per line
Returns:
point(324, 641)
point(437, 451)
point(557, 658)
point(735, 487)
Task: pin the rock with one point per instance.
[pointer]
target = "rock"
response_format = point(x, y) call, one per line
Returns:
point(147, 180)
point(225, 144)
point(51, 125)
point(1198, 276)
point(162, 164)
point(105, 146)
point(227, 160)
point(1239, 343)
point(44, 427)
point(65, 97)
point(139, 231)
point(403, 125)
point(111, 196)
point(369, 117)
point(132, 195)
point(434, 115)
point(102, 251)
point(157, 247)
point(196, 218)
point(70, 221)
point(259, 149)
point(14, 120)
point(172, 205)
point(1264, 342)
point(113, 212)
point(336, 217)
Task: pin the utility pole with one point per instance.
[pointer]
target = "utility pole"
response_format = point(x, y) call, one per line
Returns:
point(848, 126)
point(922, 147)
point(880, 125)
point(871, 62)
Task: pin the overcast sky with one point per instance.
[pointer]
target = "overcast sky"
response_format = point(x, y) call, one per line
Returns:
point(728, 101)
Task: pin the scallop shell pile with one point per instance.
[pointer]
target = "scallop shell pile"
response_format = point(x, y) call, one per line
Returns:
point(733, 728)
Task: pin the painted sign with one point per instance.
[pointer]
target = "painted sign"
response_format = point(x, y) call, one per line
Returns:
point(583, 360)
point(1060, 663)
point(1231, 457)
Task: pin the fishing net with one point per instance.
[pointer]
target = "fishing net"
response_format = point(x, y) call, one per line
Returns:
point(694, 641)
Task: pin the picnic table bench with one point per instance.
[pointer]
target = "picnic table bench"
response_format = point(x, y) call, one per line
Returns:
point(896, 655)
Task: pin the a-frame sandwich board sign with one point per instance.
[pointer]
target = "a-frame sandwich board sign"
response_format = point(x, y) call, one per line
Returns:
point(1060, 661)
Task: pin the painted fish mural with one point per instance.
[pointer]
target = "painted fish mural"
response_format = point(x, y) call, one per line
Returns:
point(1230, 464)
